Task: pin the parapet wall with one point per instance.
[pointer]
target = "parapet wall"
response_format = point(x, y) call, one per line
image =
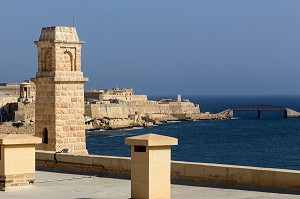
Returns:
point(188, 171)
point(241, 175)
point(83, 163)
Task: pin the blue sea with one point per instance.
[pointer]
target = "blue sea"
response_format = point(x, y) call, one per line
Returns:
point(272, 141)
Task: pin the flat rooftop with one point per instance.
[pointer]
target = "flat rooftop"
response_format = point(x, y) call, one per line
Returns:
point(66, 185)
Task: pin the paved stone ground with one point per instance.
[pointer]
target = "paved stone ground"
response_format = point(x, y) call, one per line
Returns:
point(62, 185)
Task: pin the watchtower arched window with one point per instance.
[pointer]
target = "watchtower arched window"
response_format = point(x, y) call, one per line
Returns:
point(45, 136)
point(68, 61)
point(47, 61)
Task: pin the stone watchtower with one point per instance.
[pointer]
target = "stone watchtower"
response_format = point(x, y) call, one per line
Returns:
point(59, 110)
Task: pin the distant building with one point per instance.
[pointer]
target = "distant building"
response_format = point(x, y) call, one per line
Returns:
point(11, 92)
point(119, 94)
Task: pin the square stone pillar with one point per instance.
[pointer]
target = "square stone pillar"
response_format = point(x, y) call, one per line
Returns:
point(17, 160)
point(151, 165)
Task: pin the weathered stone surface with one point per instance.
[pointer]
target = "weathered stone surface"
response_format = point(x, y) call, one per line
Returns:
point(8, 128)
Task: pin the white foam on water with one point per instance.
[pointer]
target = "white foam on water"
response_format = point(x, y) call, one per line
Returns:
point(135, 128)
point(173, 121)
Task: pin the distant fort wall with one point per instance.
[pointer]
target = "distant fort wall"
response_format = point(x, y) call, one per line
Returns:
point(20, 111)
point(183, 171)
point(123, 110)
point(121, 103)
point(123, 94)
point(8, 99)
point(9, 128)
point(10, 92)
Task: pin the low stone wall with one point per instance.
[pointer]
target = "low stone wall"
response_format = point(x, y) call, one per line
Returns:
point(241, 175)
point(188, 171)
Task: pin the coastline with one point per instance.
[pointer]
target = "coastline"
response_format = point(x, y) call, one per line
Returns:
point(124, 123)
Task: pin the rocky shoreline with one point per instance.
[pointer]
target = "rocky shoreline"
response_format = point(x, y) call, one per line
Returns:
point(146, 121)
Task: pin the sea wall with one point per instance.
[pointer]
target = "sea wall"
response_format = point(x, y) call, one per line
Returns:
point(187, 171)
point(122, 110)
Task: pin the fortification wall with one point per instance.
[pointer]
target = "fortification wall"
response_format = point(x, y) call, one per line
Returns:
point(10, 93)
point(122, 110)
point(8, 99)
point(123, 97)
point(24, 112)
point(20, 111)
point(187, 171)
point(108, 110)
point(8, 128)
point(139, 97)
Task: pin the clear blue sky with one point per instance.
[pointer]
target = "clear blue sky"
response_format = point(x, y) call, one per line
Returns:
point(165, 47)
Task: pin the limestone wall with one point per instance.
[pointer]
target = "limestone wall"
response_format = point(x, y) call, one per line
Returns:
point(20, 111)
point(10, 93)
point(124, 94)
point(62, 115)
point(138, 97)
point(8, 128)
point(8, 99)
point(188, 171)
point(106, 97)
point(242, 175)
point(122, 110)
point(25, 112)
point(84, 163)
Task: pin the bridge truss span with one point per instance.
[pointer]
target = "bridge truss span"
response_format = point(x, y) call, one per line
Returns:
point(288, 113)
point(259, 107)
